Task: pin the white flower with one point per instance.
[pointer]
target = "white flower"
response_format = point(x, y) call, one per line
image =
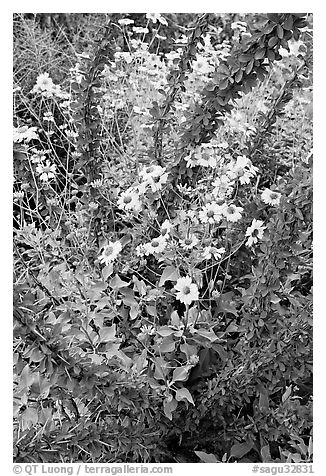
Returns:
point(232, 213)
point(129, 200)
point(140, 30)
point(24, 133)
point(46, 171)
point(18, 195)
point(255, 231)
point(166, 227)
point(156, 17)
point(222, 186)
point(190, 242)
point(157, 245)
point(156, 182)
point(147, 330)
point(44, 84)
point(270, 197)
point(187, 291)
point(211, 213)
point(211, 250)
point(110, 252)
point(243, 169)
point(97, 183)
point(125, 21)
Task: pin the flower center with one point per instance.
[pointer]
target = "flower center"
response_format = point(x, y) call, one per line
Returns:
point(156, 179)
point(127, 199)
point(231, 210)
point(210, 213)
point(273, 196)
point(186, 290)
point(155, 243)
point(188, 241)
point(108, 251)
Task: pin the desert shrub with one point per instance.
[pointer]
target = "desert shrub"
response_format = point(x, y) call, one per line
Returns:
point(163, 240)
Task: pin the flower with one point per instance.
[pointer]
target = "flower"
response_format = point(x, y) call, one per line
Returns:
point(211, 213)
point(45, 84)
point(255, 231)
point(18, 195)
point(193, 360)
point(156, 182)
point(110, 252)
point(129, 200)
point(157, 245)
point(156, 17)
point(270, 197)
point(190, 242)
point(166, 228)
point(187, 291)
point(243, 169)
point(211, 250)
point(125, 21)
point(46, 171)
point(24, 133)
point(222, 186)
point(232, 213)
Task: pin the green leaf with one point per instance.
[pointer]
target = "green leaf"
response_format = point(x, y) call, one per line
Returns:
point(206, 457)
point(240, 449)
point(165, 331)
point(107, 333)
point(167, 345)
point(107, 271)
point(169, 407)
point(169, 274)
point(184, 394)
point(180, 374)
point(116, 282)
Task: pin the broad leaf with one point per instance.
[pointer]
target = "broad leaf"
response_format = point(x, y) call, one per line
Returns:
point(169, 274)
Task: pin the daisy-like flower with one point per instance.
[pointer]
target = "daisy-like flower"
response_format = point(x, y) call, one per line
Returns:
point(166, 227)
point(190, 242)
point(156, 182)
point(43, 83)
point(125, 21)
point(187, 291)
point(255, 232)
point(154, 17)
point(232, 213)
point(18, 195)
point(243, 170)
point(110, 252)
point(46, 171)
point(223, 186)
point(270, 197)
point(24, 133)
point(157, 245)
point(211, 250)
point(147, 330)
point(129, 200)
point(191, 160)
point(97, 183)
point(211, 213)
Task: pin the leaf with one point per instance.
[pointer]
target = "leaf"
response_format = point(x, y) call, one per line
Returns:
point(169, 406)
point(208, 334)
point(167, 345)
point(165, 331)
point(107, 333)
point(169, 274)
point(116, 282)
point(206, 457)
point(184, 394)
point(180, 374)
point(240, 449)
point(266, 454)
point(107, 271)
point(286, 394)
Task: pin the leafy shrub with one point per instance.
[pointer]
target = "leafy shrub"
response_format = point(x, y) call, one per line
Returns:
point(163, 242)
